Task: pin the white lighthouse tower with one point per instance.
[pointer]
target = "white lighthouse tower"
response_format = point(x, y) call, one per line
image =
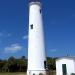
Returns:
point(36, 47)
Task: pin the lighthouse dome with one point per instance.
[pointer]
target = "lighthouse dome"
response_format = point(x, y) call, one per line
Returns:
point(34, 0)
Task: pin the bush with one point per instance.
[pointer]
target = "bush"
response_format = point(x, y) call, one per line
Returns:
point(72, 73)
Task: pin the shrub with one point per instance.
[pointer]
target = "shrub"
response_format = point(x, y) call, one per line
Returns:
point(72, 73)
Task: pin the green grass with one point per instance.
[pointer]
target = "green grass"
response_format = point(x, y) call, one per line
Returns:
point(12, 73)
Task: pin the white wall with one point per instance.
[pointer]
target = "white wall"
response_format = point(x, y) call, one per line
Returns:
point(36, 45)
point(74, 65)
point(70, 64)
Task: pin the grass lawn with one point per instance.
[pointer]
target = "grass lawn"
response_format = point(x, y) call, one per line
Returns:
point(12, 73)
point(51, 73)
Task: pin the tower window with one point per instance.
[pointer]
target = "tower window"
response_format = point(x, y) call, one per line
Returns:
point(40, 74)
point(31, 26)
point(40, 10)
point(33, 73)
point(45, 64)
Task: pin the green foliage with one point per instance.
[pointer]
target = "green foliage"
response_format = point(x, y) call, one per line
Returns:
point(72, 73)
point(51, 63)
point(13, 65)
point(20, 65)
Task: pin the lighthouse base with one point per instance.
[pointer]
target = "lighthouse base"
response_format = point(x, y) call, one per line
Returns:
point(36, 72)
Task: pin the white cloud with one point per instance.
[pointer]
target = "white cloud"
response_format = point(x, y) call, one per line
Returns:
point(1, 34)
point(53, 50)
point(13, 48)
point(4, 34)
point(25, 37)
point(8, 34)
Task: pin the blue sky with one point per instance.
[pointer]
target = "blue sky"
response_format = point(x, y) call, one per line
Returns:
point(59, 27)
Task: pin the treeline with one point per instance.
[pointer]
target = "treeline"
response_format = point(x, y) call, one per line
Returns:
point(20, 65)
point(13, 65)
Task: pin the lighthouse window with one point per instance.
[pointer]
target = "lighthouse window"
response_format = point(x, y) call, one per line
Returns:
point(40, 74)
point(40, 10)
point(45, 64)
point(33, 74)
point(31, 26)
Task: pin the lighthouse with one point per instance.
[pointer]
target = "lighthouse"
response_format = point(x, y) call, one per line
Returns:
point(36, 44)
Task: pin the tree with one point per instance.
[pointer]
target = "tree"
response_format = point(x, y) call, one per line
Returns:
point(12, 64)
point(22, 64)
point(51, 63)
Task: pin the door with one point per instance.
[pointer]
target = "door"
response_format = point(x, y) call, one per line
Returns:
point(64, 69)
